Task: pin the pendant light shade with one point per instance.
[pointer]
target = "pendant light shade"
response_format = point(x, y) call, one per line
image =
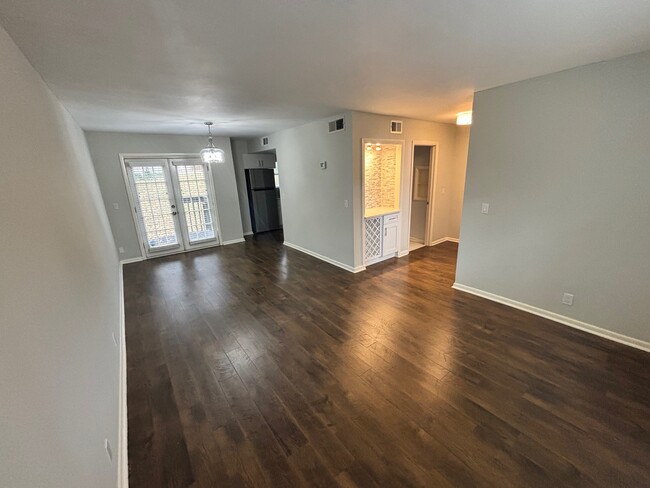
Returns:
point(211, 154)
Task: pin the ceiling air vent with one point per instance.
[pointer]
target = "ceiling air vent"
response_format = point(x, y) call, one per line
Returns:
point(336, 125)
point(395, 126)
point(265, 141)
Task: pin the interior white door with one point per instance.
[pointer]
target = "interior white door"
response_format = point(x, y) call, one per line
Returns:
point(155, 206)
point(196, 201)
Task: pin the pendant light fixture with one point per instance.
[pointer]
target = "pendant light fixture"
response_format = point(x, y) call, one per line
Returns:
point(211, 154)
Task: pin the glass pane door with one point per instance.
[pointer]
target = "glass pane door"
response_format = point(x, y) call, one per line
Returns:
point(195, 199)
point(155, 205)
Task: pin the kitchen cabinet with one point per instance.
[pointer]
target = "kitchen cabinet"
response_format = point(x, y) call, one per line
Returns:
point(381, 239)
point(389, 239)
point(259, 161)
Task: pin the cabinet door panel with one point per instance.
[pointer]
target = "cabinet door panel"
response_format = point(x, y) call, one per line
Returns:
point(268, 161)
point(389, 240)
point(251, 161)
point(256, 161)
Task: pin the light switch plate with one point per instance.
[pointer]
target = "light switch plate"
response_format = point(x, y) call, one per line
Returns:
point(567, 299)
point(323, 165)
point(485, 208)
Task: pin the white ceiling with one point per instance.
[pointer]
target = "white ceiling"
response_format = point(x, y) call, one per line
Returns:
point(256, 66)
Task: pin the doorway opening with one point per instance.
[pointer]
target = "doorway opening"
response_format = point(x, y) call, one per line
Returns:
point(173, 204)
point(422, 195)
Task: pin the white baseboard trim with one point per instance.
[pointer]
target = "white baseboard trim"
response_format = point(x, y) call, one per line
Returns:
point(562, 319)
point(131, 260)
point(122, 443)
point(416, 239)
point(444, 239)
point(453, 239)
point(325, 258)
point(233, 241)
point(401, 254)
point(248, 234)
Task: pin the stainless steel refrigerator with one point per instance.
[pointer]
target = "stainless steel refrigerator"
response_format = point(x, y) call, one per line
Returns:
point(262, 200)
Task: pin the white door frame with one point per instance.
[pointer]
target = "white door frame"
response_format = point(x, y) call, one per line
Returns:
point(433, 178)
point(162, 250)
point(173, 163)
point(132, 202)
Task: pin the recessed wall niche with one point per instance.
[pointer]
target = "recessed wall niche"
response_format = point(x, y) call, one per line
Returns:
point(382, 163)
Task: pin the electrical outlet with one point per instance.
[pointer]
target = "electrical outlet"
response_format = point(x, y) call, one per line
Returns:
point(485, 208)
point(346, 203)
point(116, 206)
point(109, 451)
point(567, 299)
point(121, 250)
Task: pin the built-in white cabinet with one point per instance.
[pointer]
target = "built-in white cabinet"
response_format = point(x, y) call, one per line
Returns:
point(381, 238)
point(389, 239)
point(259, 161)
point(382, 169)
point(373, 231)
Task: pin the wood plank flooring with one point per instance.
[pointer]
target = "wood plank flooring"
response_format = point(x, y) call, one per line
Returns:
point(254, 365)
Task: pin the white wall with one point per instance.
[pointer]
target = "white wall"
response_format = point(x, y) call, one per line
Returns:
point(59, 300)
point(448, 182)
point(105, 148)
point(313, 211)
point(564, 162)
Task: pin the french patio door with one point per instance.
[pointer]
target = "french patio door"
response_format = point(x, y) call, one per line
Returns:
point(174, 205)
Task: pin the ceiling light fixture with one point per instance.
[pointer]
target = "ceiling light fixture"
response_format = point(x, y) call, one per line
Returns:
point(211, 154)
point(464, 118)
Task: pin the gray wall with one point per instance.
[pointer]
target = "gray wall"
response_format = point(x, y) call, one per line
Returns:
point(448, 182)
point(59, 294)
point(421, 158)
point(313, 211)
point(564, 162)
point(105, 148)
point(239, 148)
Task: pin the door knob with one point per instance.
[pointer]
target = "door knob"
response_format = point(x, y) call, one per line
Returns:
point(173, 206)
point(174, 213)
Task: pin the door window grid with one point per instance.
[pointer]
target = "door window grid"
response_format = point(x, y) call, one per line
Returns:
point(196, 204)
point(151, 187)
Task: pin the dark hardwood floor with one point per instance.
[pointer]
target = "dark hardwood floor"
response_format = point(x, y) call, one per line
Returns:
point(256, 365)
